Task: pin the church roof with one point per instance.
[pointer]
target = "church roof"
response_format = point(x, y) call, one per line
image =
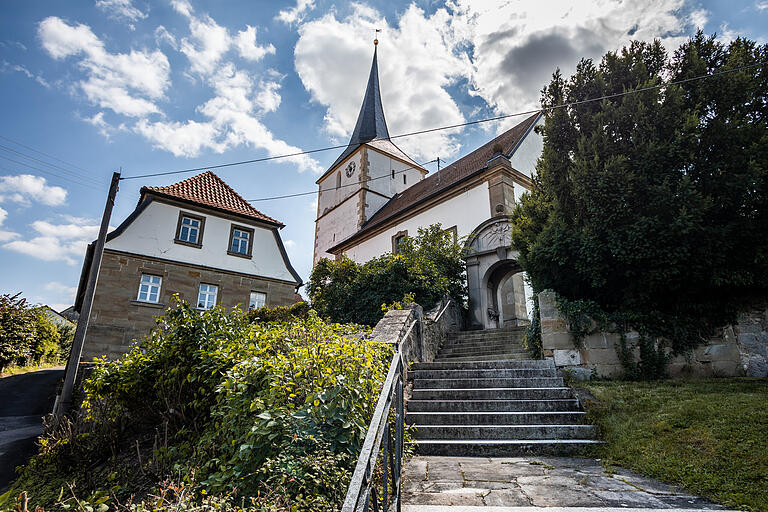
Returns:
point(453, 175)
point(371, 127)
point(209, 190)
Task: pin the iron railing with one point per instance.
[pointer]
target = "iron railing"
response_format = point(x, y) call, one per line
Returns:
point(384, 430)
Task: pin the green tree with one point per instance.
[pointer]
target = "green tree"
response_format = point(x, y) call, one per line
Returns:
point(653, 206)
point(17, 329)
point(428, 266)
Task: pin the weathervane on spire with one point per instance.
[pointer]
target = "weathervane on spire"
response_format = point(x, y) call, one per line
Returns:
point(375, 37)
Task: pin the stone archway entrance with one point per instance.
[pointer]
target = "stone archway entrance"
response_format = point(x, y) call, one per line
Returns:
point(494, 278)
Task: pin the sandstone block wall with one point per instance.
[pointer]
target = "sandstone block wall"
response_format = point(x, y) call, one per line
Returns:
point(736, 350)
point(118, 319)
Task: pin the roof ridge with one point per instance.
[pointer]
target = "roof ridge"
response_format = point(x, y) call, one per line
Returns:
point(209, 190)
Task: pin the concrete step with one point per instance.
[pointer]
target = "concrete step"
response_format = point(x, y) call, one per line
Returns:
point(477, 365)
point(487, 347)
point(547, 393)
point(494, 418)
point(495, 373)
point(532, 382)
point(570, 404)
point(501, 354)
point(503, 448)
point(487, 357)
point(482, 339)
point(499, 432)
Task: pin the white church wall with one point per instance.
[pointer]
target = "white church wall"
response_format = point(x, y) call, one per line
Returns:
point(330, 195)
point(374, 202)
point(380, 170)
point(465, 211)
point(336, 226)
point(528, 152)
point(153, 232)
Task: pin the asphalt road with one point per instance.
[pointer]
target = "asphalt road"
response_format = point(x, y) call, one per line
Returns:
point(24, 400)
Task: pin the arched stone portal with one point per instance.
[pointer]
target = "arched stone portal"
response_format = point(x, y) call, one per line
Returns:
point(494, 278)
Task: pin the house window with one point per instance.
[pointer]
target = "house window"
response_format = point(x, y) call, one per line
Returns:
point(149, 288)
point(240, 241)
point(206, 299)
point(397, 241)
point(189, 230)
point(257, 300)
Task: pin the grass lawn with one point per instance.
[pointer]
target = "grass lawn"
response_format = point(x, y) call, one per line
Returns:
point(709, 436)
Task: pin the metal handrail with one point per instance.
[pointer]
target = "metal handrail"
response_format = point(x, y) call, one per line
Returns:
point(440, 314)
point(361, 493)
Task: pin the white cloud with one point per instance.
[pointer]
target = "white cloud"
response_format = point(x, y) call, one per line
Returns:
point(127, 83)
point(297, 13)
point(761, 5)
point(60, 288)
point(505, 51)
point(7, 67)
point(417, 63)
point(56, 242)
point(249, 49)
point(240, 99)
point(5, 236)
point(26, 188)
point(121, 10)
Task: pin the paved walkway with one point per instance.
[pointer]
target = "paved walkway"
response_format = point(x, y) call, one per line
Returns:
point(24, 400)
point(468, 484)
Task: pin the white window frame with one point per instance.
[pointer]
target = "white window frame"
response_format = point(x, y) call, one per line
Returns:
point(149, 285)
point(190, 227)
point(242, 237)
point(252, 300)
point(204, 296)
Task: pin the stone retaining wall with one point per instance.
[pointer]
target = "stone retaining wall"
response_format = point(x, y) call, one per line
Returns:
point(427, 335)
point(740, 349)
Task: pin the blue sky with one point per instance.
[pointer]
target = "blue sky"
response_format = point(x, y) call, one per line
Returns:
point(92, 86)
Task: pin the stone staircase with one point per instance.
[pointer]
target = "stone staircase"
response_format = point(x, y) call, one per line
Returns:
point(483, 396)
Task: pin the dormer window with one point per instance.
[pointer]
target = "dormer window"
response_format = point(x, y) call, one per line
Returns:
point(189, 230)
point(240, 241)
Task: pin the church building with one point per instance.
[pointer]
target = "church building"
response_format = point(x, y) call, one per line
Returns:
point(374, 194)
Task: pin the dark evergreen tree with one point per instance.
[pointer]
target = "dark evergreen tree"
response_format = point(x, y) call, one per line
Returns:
point(653, 206)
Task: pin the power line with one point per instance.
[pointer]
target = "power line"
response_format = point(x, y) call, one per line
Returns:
point(460, 125)
point(299, 194)
point(23, 155)
point(45, 171)
point(45, 154)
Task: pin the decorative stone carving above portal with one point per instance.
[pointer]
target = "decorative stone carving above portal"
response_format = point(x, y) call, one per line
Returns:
point(494, 278)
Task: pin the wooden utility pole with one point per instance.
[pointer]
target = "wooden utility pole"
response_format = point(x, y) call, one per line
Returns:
point(65, 399)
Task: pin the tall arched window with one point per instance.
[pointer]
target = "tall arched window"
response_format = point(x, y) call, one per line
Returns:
point(338, 180)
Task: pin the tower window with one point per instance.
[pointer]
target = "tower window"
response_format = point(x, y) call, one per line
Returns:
point(403, 178)
point(393, 174)
point(338, 180)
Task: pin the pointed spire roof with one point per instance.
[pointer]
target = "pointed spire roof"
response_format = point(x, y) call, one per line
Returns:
point(209, 190)
point(370, 121)
point(371, 125)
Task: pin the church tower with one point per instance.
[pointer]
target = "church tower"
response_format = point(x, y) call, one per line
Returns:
point(367, 174)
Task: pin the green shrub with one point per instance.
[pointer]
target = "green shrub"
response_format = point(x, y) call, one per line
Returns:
point(46, 343)
point(426, 267)
point(279, 313)
point(222, 403)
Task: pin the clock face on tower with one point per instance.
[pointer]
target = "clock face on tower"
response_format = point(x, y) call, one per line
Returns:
point(350, 169)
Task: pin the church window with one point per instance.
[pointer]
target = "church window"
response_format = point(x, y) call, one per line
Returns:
point(206, 298)
point(397, 241)
point(149, 288)
point(338, 180)
point(189, 230)
point(403, 178)
point(240, 241)
point(393, 174)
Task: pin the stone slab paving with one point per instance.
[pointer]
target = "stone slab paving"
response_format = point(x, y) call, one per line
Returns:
point(522, 484)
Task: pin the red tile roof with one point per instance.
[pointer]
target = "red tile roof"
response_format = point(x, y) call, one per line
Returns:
point(451, 176)
point(207, 189)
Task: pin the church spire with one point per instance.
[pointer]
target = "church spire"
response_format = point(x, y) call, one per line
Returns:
point(370, 122)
